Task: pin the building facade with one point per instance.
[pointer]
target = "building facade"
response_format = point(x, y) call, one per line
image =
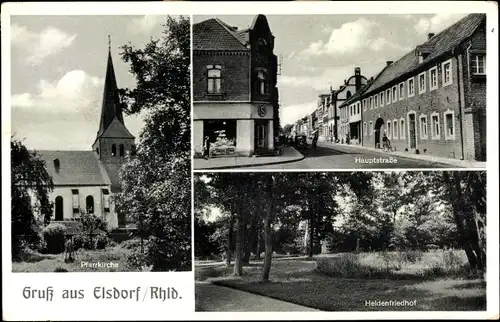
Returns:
point(235, 99)
point(433, 99)
point(85, 181)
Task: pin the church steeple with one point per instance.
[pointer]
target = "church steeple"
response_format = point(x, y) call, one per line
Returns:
point(111, 105)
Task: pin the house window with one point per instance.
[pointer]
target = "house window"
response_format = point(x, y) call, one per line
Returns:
point(375, 101)
point(105, 199)
point(371, 128)
point(423, 127)
point(382, 101)
point(388, 132)
point(371, 103)
point(394, 94)
point(364, 105)
point(364, 129)
point(214, 79)
point(433, 78)
point(478, 64)
point(411, 87)
point(421, 83)
point(75, 200)
point(446, 68)
point(122, 150)
point(435, 133)
point(402, 129)
point(401, 91)
point(113, 150)
point(89, 203)
point(449, 125)
point(59, 209)
point(388, 97)
point(261, 81)
point(395, 129)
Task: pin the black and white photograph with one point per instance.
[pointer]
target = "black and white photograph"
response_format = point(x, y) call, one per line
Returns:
point(340, 241)
point(100, 145)
point(350, 91)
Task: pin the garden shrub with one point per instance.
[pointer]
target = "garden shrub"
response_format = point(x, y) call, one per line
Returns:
point(101, 241)
point(53, 235)
point(60, 270)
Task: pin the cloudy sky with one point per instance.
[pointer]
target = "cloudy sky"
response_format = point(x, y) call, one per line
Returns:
point(58, 65)
point(322, 50)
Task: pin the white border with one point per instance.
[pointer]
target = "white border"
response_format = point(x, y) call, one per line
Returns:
point(13, 310)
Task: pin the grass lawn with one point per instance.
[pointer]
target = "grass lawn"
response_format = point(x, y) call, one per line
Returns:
point(299, 281)
point(35, 262)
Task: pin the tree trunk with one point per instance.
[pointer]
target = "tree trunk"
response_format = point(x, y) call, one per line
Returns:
point(311, 234)
point(238, 263)
point(230, 239)
point(266, 268)
point(259, 237)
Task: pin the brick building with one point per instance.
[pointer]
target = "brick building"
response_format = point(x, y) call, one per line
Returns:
point(433, 99)
point(341, 113)
point(235, 99)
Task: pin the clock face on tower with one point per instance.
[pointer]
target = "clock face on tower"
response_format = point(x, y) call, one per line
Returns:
point(262, 110)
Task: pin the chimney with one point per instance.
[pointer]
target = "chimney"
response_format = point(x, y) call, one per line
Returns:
point(389, 62)
point(430, 35)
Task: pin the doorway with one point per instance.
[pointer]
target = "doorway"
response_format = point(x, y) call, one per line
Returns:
point(260, 136)
point(379, 128)
point(411, 128)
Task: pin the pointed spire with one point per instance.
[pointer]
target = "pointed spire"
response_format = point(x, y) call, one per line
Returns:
point(111, 105)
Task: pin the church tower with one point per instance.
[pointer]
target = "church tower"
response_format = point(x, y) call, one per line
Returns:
point(113, 141)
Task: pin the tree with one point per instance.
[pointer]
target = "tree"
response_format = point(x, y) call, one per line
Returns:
point(156, 185)
point(29, 179)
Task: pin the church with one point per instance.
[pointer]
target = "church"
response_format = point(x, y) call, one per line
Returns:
point(87, 180)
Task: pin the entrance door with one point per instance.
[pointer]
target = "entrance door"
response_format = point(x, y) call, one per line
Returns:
point(260, 135)
point(379, 126)
point(413, 135)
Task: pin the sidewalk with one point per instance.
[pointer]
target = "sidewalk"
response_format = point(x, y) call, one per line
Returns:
point(213, 298)
point(289, 155)
point(402, 154)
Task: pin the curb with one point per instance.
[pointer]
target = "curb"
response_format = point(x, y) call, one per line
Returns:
point(409, 157)
point(302, 157)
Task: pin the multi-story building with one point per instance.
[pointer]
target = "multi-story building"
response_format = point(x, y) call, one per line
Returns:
point(322, 112)
point(339, 117)
point(235, 99)
point(433, 99)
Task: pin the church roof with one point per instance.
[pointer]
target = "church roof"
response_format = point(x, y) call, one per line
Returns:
point(111, 104)
point(116, 129)
point(78, 168)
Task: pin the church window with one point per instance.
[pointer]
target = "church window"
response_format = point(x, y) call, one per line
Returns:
point(59, 211)
point(261, 81)
point(122, 150)
point(113, 150)
point(76, 206)
point(348, 94)
point(133, 150)
point(105, 199)
point(89, 203)
point(97, 150)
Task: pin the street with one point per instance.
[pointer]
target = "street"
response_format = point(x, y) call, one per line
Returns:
point(345, 157)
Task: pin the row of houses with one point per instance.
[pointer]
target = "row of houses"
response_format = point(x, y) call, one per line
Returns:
point(432, 100)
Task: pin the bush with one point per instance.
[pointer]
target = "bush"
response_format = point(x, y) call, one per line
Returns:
point(60, 270)
point(53, 235)
point(137, 260)
point(131, 244)
point(101, 241)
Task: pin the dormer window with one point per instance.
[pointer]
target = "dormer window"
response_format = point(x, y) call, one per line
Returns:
point(57, 165)
point(214, 79)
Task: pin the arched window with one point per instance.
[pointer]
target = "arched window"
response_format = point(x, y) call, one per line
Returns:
point(89, 204)
point(59, 211)
point(214, 79)
point(122, 150)
point(348, 94)
point(113, 150)
point(261, 82)
point(133, 150)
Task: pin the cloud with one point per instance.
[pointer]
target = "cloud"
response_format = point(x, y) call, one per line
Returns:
point(146, 24)
point(62, 114)
point(36, 46)
point(436, 23)
point(291, 113)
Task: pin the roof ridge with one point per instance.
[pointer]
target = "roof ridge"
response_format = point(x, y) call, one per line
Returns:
point(231, 32)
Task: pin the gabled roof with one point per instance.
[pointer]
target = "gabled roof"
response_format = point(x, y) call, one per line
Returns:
point(116, 129)
point(75, 168)
point(214, 34)
point(440, 44)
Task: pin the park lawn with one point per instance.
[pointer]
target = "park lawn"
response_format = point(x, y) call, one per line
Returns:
point(35, 262)
point(296, 281)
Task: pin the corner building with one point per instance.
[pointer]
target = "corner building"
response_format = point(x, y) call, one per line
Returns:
point(433, 99)
point(235, 99)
